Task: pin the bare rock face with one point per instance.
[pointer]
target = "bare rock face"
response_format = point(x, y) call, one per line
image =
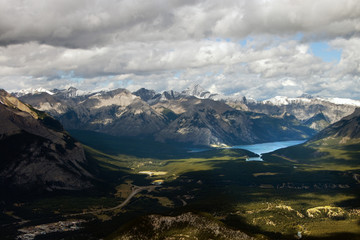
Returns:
point(36, 153)
point(184, 226)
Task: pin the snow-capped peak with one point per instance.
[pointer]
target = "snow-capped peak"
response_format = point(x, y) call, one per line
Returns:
point(195, 90)
point(281, 100)
point(199, 92)
point(32, 91)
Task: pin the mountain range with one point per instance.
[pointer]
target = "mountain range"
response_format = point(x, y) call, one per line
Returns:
point(191, 116)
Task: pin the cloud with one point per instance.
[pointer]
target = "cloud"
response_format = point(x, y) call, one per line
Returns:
point(84, 24)
point(257, 48)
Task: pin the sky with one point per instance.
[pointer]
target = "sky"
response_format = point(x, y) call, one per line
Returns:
point(254, 48)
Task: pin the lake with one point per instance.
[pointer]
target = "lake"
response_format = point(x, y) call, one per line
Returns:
point(262, 148)
point(259, 148)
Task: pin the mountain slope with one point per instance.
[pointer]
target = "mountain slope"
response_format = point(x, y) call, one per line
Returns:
point(36, 153)
point(348, 127)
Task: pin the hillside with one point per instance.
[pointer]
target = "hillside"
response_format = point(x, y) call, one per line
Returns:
point(36, 153)
point(348, 127)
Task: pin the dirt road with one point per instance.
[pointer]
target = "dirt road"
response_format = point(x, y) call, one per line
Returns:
point(135, 190)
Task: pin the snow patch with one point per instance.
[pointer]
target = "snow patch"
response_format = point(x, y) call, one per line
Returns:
point(199, 92)
point(32, 91)
point(281, 100)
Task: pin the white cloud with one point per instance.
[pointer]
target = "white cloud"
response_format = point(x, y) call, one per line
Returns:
point(125, 43)
point(93, 23)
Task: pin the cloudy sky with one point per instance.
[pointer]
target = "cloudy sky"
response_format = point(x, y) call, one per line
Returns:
point(257, 48)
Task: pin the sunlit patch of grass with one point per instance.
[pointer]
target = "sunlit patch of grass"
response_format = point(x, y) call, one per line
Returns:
point(181, 166)
point(328, 227)
point(163, 201)
point(123, 190)
point(285, 211)
point(313, 199)
point(264, 174)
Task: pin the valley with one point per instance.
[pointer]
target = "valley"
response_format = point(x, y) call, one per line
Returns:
point(142, 188)
point(264, 200)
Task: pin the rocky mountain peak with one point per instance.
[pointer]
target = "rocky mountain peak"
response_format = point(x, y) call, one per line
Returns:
point(169, 95)
point(120, 97)
point(194, 90)
point(71, 92)
point(145, 94)
point(198, 91)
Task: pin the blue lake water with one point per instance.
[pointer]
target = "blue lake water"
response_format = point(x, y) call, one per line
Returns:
point(259, 148)
point(262, 148)
point(196, 150)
